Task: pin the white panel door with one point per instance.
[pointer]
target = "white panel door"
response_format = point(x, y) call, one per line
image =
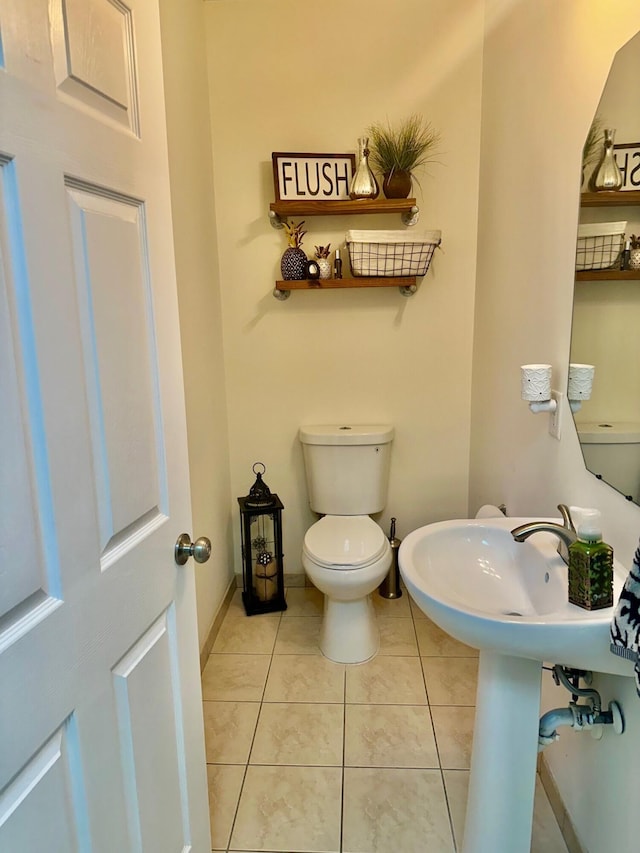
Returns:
point(101, 744)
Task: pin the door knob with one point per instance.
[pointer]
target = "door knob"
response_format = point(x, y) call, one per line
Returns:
point(200, 550)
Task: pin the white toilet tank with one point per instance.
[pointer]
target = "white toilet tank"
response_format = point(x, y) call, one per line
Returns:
point(347, 467)
point(612, 450)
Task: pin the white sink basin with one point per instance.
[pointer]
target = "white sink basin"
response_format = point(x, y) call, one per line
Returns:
point(508, 599)
point(489, 591)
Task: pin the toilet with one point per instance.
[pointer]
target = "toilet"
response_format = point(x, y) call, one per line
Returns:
point(345, 554)
point(611, 450)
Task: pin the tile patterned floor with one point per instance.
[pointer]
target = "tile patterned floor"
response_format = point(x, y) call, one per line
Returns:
point(308, 756)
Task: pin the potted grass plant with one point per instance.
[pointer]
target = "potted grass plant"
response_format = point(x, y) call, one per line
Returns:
point(397, 152)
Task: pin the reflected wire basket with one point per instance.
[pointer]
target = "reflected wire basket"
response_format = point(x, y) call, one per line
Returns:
point(600, 245)
point(391, 253)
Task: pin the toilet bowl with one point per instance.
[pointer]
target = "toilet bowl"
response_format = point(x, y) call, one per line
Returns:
point(347, 558)
point(345, 554)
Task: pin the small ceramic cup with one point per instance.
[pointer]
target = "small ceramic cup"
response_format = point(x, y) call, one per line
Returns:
point(536, 381)
point(580, 381)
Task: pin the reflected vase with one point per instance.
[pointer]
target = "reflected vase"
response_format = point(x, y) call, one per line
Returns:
point(607, 177)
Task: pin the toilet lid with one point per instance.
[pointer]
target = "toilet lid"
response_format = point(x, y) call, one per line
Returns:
point(345, 541)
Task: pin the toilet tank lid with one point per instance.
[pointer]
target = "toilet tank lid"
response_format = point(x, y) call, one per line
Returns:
point(346, 434)
point(609, 432)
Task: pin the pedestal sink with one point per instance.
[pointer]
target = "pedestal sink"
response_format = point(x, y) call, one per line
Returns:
point(509, 600)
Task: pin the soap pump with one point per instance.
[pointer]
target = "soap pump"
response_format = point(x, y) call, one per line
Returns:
point(590, 565)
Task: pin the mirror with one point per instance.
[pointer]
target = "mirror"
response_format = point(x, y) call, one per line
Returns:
point(606, 305)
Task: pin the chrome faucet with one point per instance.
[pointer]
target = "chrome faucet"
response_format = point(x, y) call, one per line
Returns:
point(565, 532)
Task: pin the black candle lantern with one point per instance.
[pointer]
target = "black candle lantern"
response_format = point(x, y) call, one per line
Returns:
point(261, 532)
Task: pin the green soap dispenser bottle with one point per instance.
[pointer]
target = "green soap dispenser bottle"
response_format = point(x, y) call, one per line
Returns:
point(590, 565)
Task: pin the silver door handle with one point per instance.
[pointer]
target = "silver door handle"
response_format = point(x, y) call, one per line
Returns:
point(200, 550)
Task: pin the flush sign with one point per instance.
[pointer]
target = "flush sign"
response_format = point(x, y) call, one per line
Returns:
point(312, 177)
point(628, 159)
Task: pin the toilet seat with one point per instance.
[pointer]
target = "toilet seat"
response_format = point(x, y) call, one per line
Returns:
point(344, 542)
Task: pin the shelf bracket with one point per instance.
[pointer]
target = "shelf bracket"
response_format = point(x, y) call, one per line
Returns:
point(412, 216)
point(275, 221)
point(408, 290)
point(281, 294)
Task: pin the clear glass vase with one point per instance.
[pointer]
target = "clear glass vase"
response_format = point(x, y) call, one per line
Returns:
point(607, 176)
point(363, 183)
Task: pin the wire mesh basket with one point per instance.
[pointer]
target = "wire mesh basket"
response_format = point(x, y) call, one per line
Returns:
point(391, 253)
point(600, 245)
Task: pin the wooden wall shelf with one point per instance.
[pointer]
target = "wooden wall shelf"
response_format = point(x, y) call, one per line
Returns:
point(361, 281)
point(406, 207)
point(406, 284)
point(340, 208)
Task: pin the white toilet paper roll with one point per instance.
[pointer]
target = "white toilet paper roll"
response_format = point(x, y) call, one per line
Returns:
point(536, 381)
point(580, 381)
point(489, 511)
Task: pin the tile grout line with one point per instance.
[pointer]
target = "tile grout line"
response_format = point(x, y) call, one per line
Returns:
point(344, 754)
point(246, 766)
point(435, 739)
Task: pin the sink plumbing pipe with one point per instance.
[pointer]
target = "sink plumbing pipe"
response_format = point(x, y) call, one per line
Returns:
point(578, 717)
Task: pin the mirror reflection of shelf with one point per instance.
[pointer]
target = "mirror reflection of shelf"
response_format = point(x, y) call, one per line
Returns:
point(628, 198)
point(611, 275)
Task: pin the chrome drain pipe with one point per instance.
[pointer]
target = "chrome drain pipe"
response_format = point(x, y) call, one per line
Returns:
point(579, 717)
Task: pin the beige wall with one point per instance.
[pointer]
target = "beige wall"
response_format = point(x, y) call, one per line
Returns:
point(545, 64)
point(291, 76)
point(200, 316)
